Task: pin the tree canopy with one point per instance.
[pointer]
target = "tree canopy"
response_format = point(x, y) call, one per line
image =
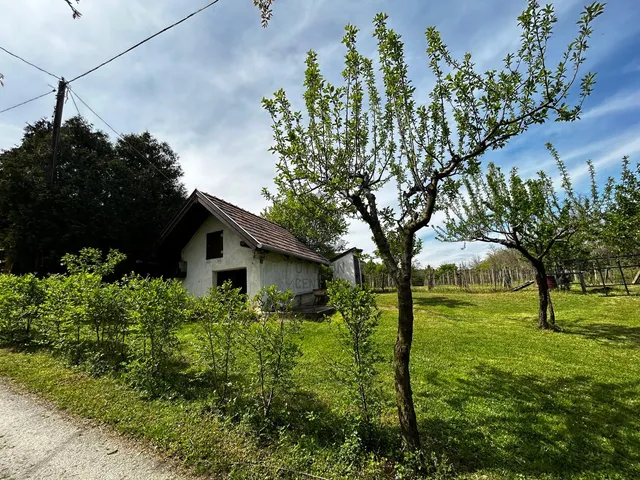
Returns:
point(526, 215)
point(315, 221)
point(105, 195)
point(621, 222)
point(356, 138)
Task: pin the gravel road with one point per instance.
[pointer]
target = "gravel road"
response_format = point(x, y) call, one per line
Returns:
point(37, 442)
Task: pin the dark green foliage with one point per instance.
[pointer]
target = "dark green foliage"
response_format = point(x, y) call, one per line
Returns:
point(21, 300)
point(104, 195)
point(446, 268)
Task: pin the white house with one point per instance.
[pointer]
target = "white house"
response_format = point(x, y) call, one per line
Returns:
point(347, 266)
point(211, 241)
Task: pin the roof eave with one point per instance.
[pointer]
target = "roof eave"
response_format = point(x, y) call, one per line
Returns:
point(226, 220)
point(176, 219)
point(346, 252)
point(198, 197)
point(269, 248)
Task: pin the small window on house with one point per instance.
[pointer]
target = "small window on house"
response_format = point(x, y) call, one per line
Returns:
point(214, 245)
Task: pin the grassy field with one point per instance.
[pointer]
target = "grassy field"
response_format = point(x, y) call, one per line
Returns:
point(496, 396)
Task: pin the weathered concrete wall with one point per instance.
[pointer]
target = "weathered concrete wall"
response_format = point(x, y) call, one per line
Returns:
point(286, 273)
point(344, 268)
point(291, 274)
point(200, 271)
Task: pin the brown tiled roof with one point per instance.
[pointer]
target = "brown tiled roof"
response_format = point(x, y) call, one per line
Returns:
point(267, 235)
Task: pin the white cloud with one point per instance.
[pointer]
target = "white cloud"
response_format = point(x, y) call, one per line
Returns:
point(620, 102)
point(629, 148)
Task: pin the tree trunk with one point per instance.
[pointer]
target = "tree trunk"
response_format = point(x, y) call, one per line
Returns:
point(543, 293)
point(552, 313)
point(401, 360)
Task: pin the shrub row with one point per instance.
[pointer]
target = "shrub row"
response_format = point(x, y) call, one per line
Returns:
point(245, 349)
point(105, 325)
point(131, 327)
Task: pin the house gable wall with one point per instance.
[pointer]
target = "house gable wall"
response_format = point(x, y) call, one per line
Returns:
point(287, 273)
point(200, 271)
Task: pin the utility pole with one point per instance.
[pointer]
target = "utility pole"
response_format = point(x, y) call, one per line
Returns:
point(55, 137)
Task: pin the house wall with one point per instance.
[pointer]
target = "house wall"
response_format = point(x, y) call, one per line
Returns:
point(286, 273)
point(344, 268)
point(291, 274)
point(200, 276)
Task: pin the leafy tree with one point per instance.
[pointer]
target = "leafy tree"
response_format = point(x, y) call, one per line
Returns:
point(104, 195)
point(523, 215)
point(621, 225)
point(418, 274)
point(359, 137)
point(375, 272)
point(314, 221)
point(446, 268)
point(146, 184)
point(499, 257)
point(89, 260)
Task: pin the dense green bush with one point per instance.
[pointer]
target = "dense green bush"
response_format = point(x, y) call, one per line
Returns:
point(131, 326)
point(83, 317)
point(157, 308)
point(21, 300)
point(102, 326)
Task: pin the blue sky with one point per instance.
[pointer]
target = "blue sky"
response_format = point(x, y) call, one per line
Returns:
point(199, 86)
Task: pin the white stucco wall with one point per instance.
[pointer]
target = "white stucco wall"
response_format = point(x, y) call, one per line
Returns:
point(344, 268)
point(200, 270)
point(290, 274)
point(286, 273)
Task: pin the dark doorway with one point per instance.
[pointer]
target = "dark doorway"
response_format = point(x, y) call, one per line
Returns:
point(238, 278)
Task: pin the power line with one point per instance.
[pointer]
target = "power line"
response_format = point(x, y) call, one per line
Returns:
point(145, 41)
point(28, 101)
point(29, 63)
point(73, 93)
point(73, 99)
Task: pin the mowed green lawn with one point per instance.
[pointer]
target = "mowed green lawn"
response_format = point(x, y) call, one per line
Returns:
point(502, 398)
point(496, 396)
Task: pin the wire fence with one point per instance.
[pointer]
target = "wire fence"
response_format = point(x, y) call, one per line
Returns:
point(499, 278)
point(614, 274)
point(603, 274)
